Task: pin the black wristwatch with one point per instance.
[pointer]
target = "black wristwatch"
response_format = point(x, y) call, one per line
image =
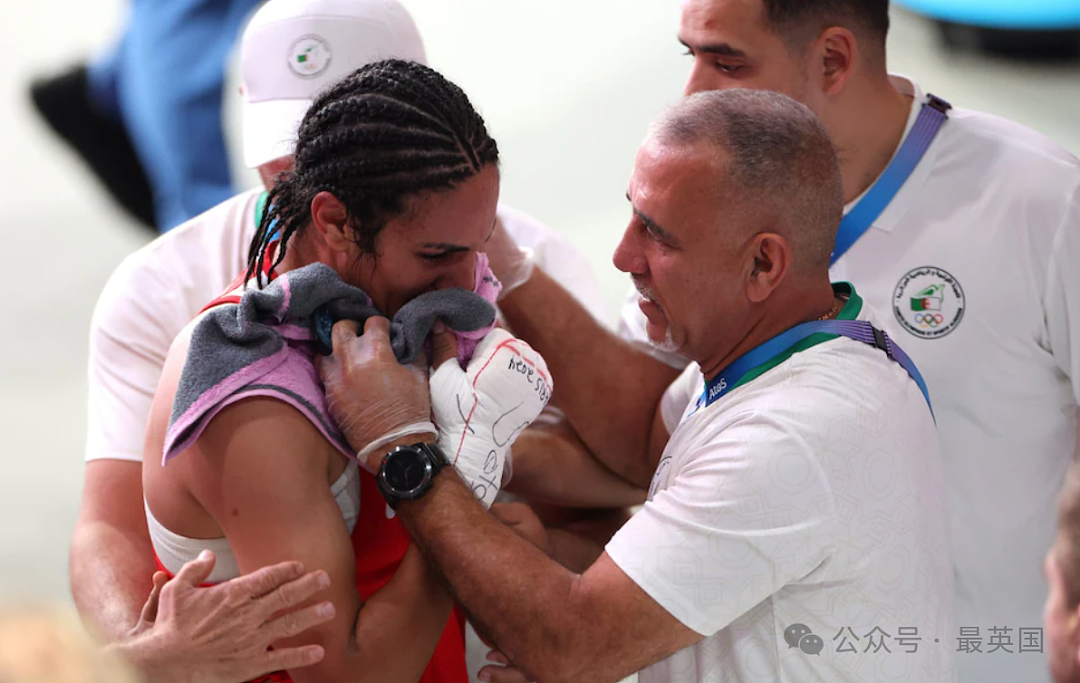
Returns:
point(407, 472)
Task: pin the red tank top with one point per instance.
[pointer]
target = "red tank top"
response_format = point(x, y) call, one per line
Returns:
point(380, 544)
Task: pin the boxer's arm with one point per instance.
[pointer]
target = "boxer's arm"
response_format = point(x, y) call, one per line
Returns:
point(577, 552)
point(262, 445)
point(608, 389)
point(552, 466)
point(111, 555)
point(572, 539)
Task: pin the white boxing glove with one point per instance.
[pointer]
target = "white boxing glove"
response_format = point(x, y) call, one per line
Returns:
point(481, 410)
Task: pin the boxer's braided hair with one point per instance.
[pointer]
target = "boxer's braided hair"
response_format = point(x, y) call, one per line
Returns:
point(385, 133)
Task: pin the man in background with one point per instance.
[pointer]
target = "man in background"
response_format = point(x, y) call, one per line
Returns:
point(962, 226)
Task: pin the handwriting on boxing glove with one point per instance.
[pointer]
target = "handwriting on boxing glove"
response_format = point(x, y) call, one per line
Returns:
point(511, 423)
point(481, 410)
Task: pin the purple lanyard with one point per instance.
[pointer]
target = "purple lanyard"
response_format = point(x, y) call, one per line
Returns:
point(859, 330)
point(857, 221)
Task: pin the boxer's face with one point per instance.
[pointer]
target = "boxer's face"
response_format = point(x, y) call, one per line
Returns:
point(1062, 626)
point(431, 245)
point(733, 46)
point(683, 249)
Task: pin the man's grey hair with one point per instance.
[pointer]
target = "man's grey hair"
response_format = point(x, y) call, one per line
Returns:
point(776, 158)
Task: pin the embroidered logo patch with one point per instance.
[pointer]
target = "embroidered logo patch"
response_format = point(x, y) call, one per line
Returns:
point(309, 56)
point(929, 302)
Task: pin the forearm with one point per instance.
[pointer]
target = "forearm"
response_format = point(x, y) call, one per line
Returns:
point(576, 537)
point(608, 389)
point(406, 617)
point(152, 659)
point(516, 594)
point(111, 576)
point(573, 551)
point(552, 466)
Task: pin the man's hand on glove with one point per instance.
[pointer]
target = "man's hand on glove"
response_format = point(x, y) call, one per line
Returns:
point(478, 411)
point(481, 410)
point(373, 398)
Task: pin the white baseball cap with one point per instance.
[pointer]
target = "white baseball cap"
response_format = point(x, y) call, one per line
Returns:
point(292, 49)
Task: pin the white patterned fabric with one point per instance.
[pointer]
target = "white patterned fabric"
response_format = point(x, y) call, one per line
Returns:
point(804, 503)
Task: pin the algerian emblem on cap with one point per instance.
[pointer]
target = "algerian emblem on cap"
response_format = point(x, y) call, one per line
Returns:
point(309, 56)
point(928, 302)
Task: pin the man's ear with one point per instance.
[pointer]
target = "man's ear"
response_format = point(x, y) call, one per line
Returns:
point(331, 221)
point(833, 56)
point(771, 256)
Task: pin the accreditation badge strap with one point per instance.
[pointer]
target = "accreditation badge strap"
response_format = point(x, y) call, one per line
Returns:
point(857, 221)
point(859, 330)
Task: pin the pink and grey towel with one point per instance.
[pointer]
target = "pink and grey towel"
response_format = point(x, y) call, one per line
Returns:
point(262, 346)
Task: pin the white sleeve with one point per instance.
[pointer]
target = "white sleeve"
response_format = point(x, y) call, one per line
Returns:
point(559, 258)
point(632, 328)
point(745, 515)
point(147, 301)
point(678, 396)
point(1063, 296)
point(134, 323)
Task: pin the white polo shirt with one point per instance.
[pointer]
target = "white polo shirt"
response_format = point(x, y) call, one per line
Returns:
point(796, 524)
point(158, 289)
point(976, 263)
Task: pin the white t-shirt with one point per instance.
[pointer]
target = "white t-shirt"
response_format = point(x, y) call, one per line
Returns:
point(157, 290)
point(986, 235)
point(796, 524)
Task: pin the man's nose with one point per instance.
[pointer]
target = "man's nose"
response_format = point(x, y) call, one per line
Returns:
point(629, 256)
point(699, 80)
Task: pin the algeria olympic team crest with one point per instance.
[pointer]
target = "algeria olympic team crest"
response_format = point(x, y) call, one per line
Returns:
point(929, 302)
point(309, 56)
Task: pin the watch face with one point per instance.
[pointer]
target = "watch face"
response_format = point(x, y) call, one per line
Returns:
point(406, 471)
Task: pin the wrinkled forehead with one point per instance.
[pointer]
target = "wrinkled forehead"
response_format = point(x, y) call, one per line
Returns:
point(691, 186)
point(681, 186)
point(677, 169)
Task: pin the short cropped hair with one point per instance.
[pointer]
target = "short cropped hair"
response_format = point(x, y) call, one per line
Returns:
point(801, 20)
point(776, 157)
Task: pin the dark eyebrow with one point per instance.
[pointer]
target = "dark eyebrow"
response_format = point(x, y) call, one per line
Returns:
point(445, 247)
point(651, 224)
point(448, 248)
point(723, 49)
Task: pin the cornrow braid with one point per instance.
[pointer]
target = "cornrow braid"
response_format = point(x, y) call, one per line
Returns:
point(381, 135)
